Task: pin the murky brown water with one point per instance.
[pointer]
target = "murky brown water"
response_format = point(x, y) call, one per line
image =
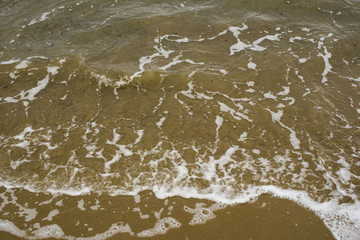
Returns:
point(221, 115)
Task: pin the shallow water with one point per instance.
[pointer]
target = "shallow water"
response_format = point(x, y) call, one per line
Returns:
point(221, 101)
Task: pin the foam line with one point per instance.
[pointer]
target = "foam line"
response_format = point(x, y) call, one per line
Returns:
point(11, 61)
point(276, 116)
point(326, 56)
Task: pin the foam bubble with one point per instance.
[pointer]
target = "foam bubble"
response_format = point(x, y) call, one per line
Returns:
point(53, 70)
point(219, 121)
point(80, 205)
point(177, 60)
point(142, 216)
point(270, 96)
point(251, 65)
point(114, 229)
point(29, 213)
point(250, 90)
point(107, 81)
point(29, 94)
point(243, 137)
point(52, 214)
point(22, 65)
point(137, 198)
point(203, 214)
point(326, 56)
point(285, 92)
point(43, 17)
point(302, 60)
point(250, 83)
point(96, 206)
point(162, 226)
point(49, 231)
point(256, 151)
point(160, 122)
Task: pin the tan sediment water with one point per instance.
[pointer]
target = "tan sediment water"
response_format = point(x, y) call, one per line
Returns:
point(137, 119)
point(265, 218)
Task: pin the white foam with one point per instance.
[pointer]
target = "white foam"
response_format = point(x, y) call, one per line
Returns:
point(219, 121)
point(29, 94)
point(29, 213)
point(103, 79)
point(251, 65)
point(160, 52)
point(140, 134)
point(280, 105)
point(137, 198)
point(326, 56)
point(177, 60)
point(26, 130)
point(114, 229)
point(12, 75)
point(96, 206)
point(59, 203)
point(269, 95)
point(15, 164)
point(239, 46)
point(80, 205)
point(216, 188)
point(292, 39)
point(256, 151)
point(162, 226)
point(276, 117)
point(302, 60)
point(250, 83)
point(22, 65)
point(52, 214)
point(49, 231)
point(223, 71)
point(344, 175)
point(250, 90)
point(11, 61)
point(274, 37)
point(142, 216)
point(43, 17)
point(343, 220)
point(7, 226)
point(243, 137)
point(53, 70)
point(160, 122)
point(122, 151)
point(295, 142)
point(201, 214)
point(285, 92)
point(235, 114)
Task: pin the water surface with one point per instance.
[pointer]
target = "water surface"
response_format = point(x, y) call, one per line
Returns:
point(221, 101)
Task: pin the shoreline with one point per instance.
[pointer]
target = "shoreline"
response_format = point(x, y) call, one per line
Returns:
point(267, 217)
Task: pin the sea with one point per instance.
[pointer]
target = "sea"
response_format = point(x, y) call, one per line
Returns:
point(179, 119)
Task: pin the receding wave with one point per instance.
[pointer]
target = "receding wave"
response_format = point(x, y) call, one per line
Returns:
point(227, 111)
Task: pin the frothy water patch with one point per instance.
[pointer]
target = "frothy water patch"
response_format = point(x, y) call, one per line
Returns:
point(161, 227)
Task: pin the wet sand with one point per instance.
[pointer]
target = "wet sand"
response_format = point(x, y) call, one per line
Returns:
point(266, 218)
